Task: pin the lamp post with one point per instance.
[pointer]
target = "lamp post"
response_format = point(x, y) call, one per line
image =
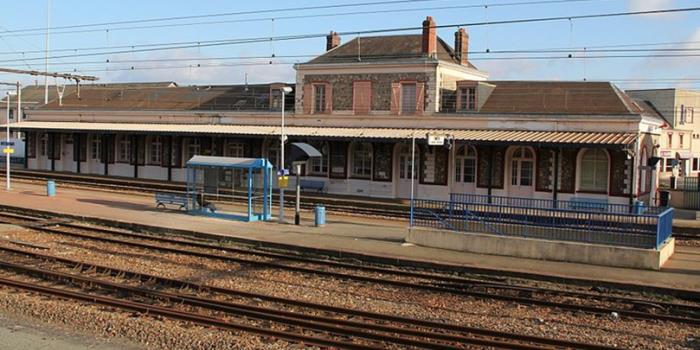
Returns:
point(7, 143)
point(283, 138)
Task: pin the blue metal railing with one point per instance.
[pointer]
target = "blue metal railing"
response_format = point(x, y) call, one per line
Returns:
point(521, 217)
point(664, 227)
point(579, 204)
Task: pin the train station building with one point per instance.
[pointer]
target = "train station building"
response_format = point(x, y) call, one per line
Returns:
point(362, 104)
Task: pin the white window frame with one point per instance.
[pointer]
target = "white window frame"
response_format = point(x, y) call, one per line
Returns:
point(44, 145)
point(96, 147)
point(465, 154)
point(155, 151)
point(411, 109)
point(361, 159)
point(235, 149)
point(319, 165)
point(517, 170)
point(319, 103)
point(124, 154)
point(194, 147)
point(593, 165)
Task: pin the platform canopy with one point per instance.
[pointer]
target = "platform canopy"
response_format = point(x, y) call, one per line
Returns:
point(228, 162)
point(353, 133)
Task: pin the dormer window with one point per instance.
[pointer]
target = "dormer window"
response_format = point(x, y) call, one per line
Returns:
point(466, 96)
point(467, 99)
point(319, 98)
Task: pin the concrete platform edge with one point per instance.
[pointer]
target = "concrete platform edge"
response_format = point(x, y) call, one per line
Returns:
point(362, 256)
point(541, 249)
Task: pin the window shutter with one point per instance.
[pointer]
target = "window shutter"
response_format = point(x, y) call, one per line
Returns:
point(395, 96)
point(76, 147)
point(165, 149)
point(83, 147)
point(31, 144)
point(329, 98)
point(307, 98)
point(111, 147)
point(458, 104)
point(141, 144)
point(420, 98)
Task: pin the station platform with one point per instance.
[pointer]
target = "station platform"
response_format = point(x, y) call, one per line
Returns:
point(342, 233)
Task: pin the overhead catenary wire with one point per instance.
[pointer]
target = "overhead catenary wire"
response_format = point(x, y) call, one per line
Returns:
point(356, 13)
point(106, 25)
point(372, 31)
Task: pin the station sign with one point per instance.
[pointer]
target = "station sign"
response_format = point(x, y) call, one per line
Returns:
point(436, 139)
point(7, 143)
point(283, 172)
point(8, 150)
point(283, 181)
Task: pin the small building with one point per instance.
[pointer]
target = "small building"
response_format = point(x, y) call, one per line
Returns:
point(679, 143)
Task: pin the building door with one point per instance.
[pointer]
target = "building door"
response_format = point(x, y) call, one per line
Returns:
point(522, 172)
point(403, 164)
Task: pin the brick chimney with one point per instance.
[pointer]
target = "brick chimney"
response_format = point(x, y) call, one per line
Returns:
point(332, 40)
point(429, 37)
point(461, 46)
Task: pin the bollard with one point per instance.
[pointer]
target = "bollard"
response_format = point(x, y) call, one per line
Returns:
point(50, 188)
point(320, 215)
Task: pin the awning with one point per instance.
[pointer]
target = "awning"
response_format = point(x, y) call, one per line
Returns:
point(485, 136)
point(228, 162)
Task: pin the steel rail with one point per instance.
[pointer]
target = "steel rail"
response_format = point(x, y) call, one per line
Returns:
point(380, 281)
point(318, 323)
point(410, 322)
point(458, 282)
point(181, 315)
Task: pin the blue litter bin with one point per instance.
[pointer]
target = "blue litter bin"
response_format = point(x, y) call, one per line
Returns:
point(50, 188)
point(638, 207)
point(320, 215)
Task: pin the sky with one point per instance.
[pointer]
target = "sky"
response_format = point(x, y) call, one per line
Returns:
point(113, 44)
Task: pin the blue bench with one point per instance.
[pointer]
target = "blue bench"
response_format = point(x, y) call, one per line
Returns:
point(319, 186)
point(165, 198)
point(589, 204)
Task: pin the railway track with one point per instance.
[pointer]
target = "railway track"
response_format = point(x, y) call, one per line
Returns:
point(374, 331)
point(487, 288)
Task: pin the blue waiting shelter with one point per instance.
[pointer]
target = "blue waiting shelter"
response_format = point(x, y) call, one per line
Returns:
point(219, 186)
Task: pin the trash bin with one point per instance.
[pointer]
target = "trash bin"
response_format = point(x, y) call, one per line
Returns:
point(664, 198)
point(320, 215)
point(50, 188)
point(637, 207)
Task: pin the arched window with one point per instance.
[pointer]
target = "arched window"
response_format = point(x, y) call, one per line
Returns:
point(361, 158)
point(522, 165)
point(643, 181)
point(465, 164)
point(594, 171)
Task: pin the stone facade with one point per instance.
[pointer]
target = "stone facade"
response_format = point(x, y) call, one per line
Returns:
point(342, 85)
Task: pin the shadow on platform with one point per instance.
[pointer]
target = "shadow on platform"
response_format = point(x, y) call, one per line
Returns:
point(118, 204)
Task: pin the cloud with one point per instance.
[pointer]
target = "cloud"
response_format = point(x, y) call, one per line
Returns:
point(210, 71)
point(650, 5)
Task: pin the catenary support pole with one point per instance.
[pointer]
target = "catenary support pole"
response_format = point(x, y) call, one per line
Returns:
point(7, 145)
point(413, 175)
point(297, 218)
